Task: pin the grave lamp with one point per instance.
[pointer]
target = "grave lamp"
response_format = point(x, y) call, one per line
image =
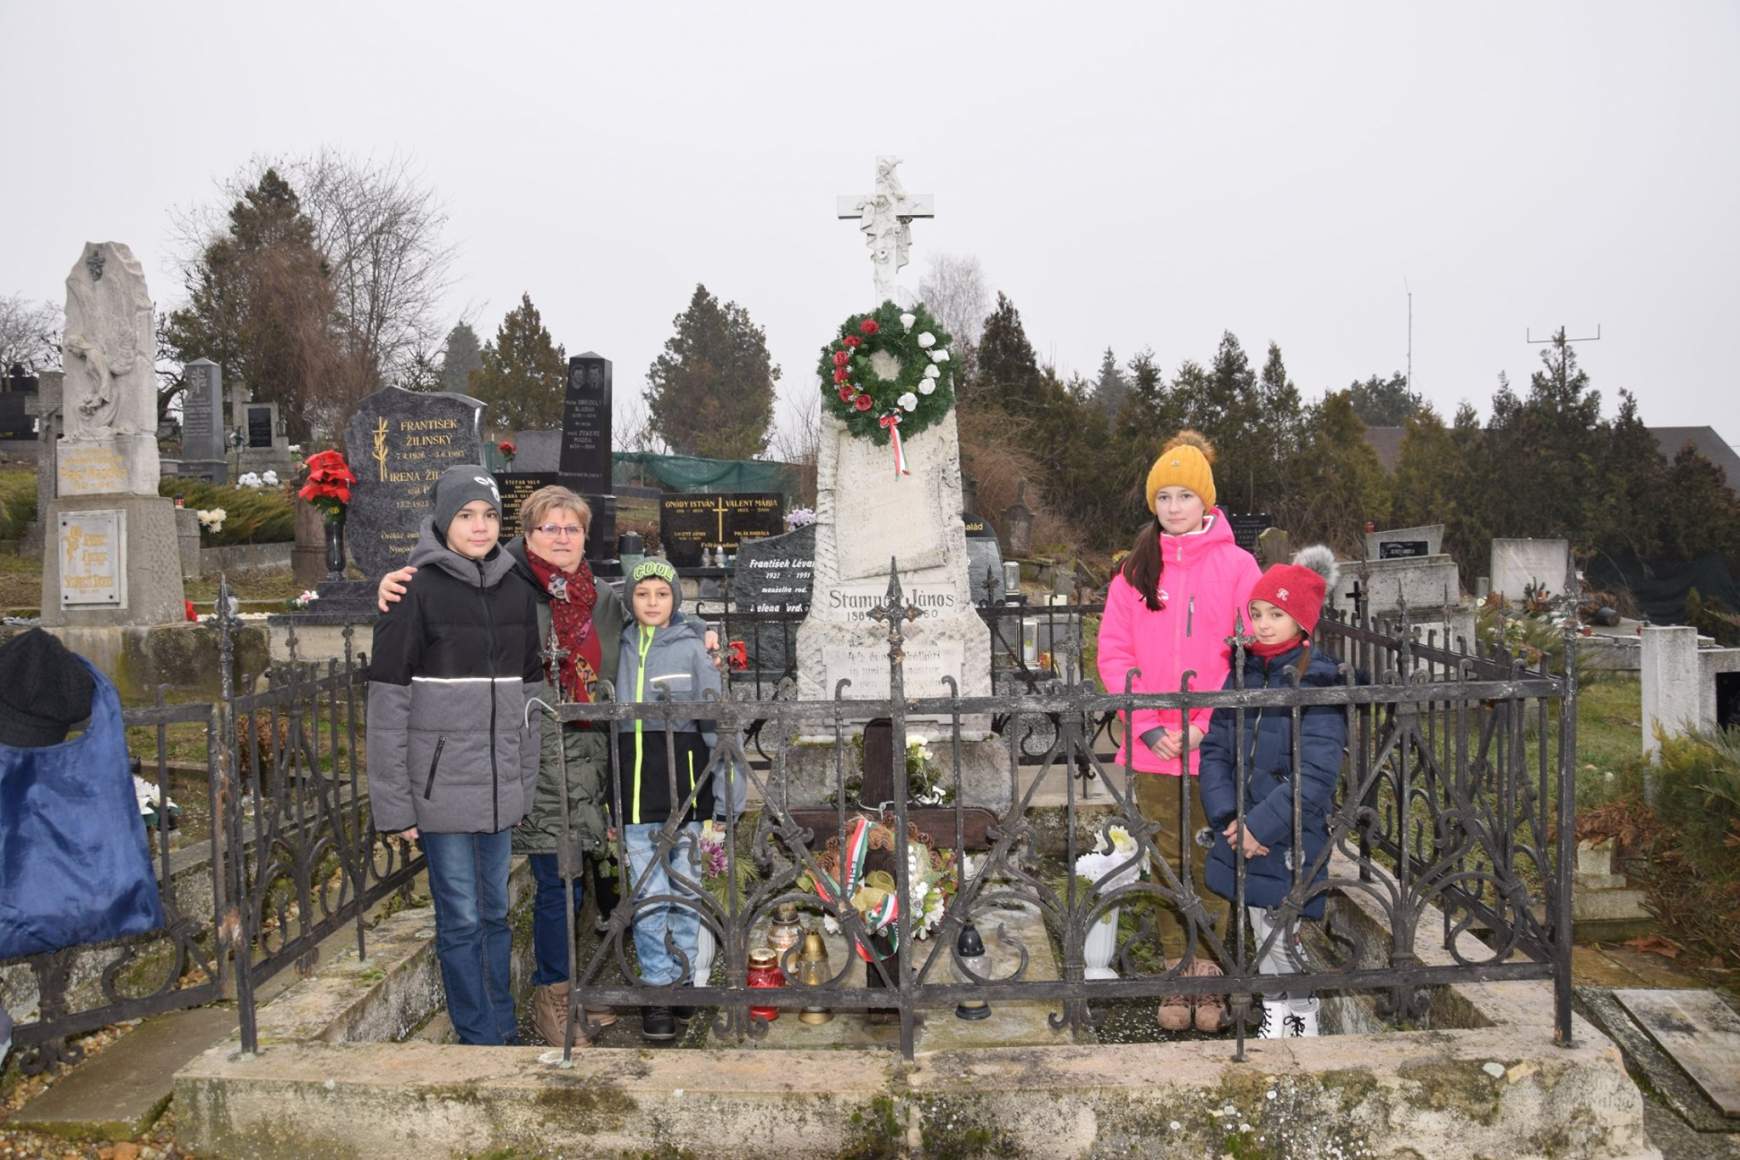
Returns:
point(970, 955)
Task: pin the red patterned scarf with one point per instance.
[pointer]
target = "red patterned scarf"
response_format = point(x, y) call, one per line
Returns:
point(572, 596)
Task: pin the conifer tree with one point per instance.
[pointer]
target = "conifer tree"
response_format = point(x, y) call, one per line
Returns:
point(523, 373)
point(1110, 388)
point(1385, 402)
point(711, 392)
point(1008, 371)
point(460, 356)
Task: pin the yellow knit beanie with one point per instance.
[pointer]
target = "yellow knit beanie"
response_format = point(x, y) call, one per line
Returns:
point(1187, 460)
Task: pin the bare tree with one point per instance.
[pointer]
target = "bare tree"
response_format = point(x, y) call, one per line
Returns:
point(631, 426)
point(954, 291)
point(797, 439)
point(29, 333)
point(379, 229)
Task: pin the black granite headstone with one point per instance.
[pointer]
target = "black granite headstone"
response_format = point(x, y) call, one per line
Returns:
point(1403, 549)
point(774, 575)
point(586, 423)
point(1247, 527)
point(16, 420)
point(516, 486)
point(259, 427)
point(689, 523)
point(978, 527)
point(398, 443)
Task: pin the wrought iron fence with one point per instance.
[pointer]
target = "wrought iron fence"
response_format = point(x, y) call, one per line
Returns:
point(1447, 798)
point(289, 859)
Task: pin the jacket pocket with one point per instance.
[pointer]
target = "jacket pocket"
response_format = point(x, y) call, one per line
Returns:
point(434, 764)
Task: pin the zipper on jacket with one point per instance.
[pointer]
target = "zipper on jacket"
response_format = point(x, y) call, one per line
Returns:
point(691, 773)
point(434, 763)
point(489, 662)
point(646, 636)
point(1190, 616)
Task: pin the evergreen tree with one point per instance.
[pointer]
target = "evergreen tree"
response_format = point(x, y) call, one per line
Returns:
point(1338, 482)
point(1385, 402)
point(711, 392)
point(1008, 372)
point(523, 373)
point(1628, 505)
point(260, 302)
point(460, 357)
point(1697, 511)
point(1110, 388)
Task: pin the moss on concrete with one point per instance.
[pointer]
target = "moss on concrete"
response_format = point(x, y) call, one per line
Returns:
point(875, 1132)
point(586, 1109)
point(1461, 1087)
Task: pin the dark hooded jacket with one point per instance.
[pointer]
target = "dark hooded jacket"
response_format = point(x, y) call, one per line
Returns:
point(1268, 743)
point(450, 748)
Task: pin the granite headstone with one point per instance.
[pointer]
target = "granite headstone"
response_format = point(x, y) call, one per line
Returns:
point(202, 432)
point(691, 523)
point(399, 443)
point(586, 435)
point(774, 575)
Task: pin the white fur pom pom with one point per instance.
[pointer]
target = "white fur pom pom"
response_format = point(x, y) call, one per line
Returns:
point(1321, 560)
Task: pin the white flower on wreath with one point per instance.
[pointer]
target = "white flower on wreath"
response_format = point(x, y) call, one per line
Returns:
point(940, 356)
point(927, 340)
point(906, 321)
point(926, 386)
point(908, 402)
point(932, 371)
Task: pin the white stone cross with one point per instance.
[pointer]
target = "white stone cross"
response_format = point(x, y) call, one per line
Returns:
point(886, 219)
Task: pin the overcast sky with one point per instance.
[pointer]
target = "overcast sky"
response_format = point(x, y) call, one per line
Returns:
point(1131, 175)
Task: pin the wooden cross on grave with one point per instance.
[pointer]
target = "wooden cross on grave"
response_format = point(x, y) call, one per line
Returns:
point(886, 216)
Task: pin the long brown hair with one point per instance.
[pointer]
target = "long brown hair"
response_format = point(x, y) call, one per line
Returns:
point(1142, 567)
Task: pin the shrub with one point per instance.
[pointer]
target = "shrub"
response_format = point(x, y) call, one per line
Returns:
point(264, 515)
point(17, 503)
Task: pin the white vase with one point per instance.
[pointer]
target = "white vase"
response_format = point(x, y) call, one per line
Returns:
point(706, 946)
point(1098, 947)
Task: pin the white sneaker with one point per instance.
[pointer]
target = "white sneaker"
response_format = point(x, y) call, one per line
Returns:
point(1274, 1024)
point(1300, 1024)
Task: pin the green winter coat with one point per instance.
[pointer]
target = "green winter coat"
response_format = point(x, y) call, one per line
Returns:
point(588, 750)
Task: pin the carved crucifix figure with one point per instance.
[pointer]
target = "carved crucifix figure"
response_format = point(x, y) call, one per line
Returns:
point(886, 219)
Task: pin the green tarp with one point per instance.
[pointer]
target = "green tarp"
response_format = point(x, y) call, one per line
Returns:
point(692, 473)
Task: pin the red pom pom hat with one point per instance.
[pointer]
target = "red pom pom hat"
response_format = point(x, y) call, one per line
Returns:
point(1299, 588)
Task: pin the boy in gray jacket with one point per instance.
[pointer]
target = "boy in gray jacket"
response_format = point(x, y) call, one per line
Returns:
point(663, 657)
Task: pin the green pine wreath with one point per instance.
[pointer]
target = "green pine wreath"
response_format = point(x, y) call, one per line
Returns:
point(847, 375)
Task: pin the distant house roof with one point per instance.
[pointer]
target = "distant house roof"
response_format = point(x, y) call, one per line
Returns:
point(1387, 442)
point(1709, 444)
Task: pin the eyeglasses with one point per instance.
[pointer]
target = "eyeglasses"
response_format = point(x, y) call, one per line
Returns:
point(560, 531)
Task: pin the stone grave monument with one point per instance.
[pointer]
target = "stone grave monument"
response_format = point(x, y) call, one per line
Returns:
point(17, 416)
point(865, 522)
point(1407, 567)
point(110, 557)
point(696, 525)
point(585, 463)
point(1516, 564)
point(203, 453)
point(398, 443)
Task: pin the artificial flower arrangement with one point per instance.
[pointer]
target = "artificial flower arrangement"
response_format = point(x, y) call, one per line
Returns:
point(212, 519)
point(328, 484)
point(508, 450)
point(1112, 863)
point(308, 597)
point(799, 517)
point(864, 874)
point(256, 480)
point(925, 785)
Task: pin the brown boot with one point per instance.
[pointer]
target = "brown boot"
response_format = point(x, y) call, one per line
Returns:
point(599, 1016)
point(1210, 1009)
point(550, 1013)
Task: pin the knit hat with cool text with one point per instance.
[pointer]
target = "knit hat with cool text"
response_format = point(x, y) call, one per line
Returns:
point(460, 485)
point(1299, 588)
point(1187, 460)
point(656, 569)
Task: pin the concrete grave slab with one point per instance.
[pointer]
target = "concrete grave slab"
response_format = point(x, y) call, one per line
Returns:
point(1700, 1032)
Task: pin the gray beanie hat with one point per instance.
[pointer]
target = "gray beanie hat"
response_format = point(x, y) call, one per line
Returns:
point(460, 485)
point(656, 569)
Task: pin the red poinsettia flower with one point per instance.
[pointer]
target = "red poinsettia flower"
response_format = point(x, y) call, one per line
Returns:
point(862, 402)
point(852, 340)
point(847, 390)
point(738, 655)
point(868, 326)
point(840, 358)
point(328, 483)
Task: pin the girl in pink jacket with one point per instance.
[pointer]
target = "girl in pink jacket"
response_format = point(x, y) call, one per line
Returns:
point(1169, 610)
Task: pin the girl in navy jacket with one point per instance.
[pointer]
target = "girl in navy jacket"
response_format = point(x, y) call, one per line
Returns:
point(1284, 609)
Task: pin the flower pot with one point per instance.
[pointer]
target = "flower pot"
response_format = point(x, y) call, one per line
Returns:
point(706, 946)
point(334, 549)
point(1099, 945)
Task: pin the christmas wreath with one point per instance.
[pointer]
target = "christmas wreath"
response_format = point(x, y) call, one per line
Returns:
point(884, 410)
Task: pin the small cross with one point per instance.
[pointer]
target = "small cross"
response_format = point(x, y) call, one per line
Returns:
point(894, 611)
point(886, 219)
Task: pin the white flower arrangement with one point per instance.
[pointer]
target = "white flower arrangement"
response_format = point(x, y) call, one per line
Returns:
point(1116, 851)
point(799, 517)
point(309, 596)
point(250, 480)
point(269, 478)
point(294, 448)
point(211, 519)
point(908, 402)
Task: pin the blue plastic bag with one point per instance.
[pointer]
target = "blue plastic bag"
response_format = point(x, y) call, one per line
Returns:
point(74, 863)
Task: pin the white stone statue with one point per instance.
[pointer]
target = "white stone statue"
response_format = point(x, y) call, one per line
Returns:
point(886, 219)
point(109, 395)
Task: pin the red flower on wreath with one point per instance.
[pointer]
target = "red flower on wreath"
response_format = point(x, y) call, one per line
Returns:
point(862, 402)
point(840, 358)
point(852, 340)
point(847, 390)
point(328, 483)
point(868, 326)
point(840, 375)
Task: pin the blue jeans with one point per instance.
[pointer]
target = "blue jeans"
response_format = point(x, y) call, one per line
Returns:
point(468, 880)
point(658, 966)
point(549, 927)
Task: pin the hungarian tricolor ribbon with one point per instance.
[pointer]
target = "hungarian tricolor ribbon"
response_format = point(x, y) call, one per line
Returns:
point(879, 917)
point(891, 421)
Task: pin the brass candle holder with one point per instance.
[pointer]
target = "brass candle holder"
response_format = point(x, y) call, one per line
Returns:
point(813, 971)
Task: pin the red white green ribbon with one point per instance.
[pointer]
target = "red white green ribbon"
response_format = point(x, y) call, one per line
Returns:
point(891, 422)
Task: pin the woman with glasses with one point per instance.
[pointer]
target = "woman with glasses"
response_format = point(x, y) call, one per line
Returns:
point(550, 555)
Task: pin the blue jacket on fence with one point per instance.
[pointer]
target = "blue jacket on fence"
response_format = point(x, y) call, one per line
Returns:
point(1267, 742)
